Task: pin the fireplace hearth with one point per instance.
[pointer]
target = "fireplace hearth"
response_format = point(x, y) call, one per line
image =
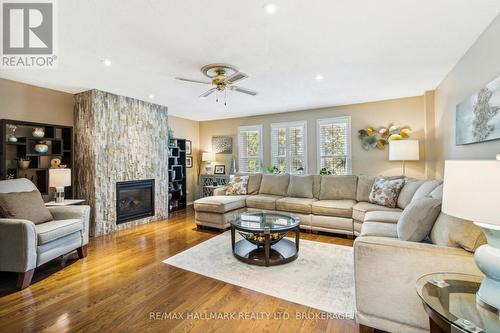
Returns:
point(134, 200)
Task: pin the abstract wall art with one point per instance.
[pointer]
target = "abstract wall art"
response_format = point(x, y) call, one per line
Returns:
point(478, 117)
point(222, 144)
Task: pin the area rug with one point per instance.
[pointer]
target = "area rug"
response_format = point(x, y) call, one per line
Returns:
point(322, 277)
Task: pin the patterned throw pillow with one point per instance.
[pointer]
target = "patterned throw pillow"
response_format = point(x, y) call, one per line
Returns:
point(385, 191)
point(238, 185)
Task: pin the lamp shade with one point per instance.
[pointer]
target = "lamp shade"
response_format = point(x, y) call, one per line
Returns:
point(472, 190)
point(207, 157)
point(403, 150)
point(59, 177)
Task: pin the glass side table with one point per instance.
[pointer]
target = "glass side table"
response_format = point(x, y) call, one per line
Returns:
point(450, 301)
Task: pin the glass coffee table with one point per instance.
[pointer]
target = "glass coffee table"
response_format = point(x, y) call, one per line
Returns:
point(450, 301)
point(263, 240)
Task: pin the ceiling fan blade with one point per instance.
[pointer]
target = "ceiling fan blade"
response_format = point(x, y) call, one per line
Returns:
point(190, 80)
point(206, 93)
point(244, 90)
point(236, 77)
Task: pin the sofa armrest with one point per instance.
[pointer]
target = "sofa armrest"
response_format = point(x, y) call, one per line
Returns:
point(386, 271)
point(81, 212)
point(18, 243)
point(220, 191)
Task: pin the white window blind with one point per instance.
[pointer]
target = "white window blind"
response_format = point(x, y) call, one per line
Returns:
point(250, 148)
point(334, 145)
point(288, 147)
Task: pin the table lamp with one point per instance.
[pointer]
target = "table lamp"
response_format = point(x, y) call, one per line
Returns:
point(208, 158)
point(59, 178)
point(471, 191)
point(403, 150)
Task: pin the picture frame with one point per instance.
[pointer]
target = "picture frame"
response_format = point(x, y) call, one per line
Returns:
point(189, 161)
point(220, 169)
point(189, 150)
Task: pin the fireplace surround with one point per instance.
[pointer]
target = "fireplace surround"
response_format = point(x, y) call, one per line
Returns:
point(135, 200)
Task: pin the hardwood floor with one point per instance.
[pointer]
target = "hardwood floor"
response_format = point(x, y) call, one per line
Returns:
point(122, 284)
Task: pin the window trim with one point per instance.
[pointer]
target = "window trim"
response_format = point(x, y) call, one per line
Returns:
point(288, 125)
point(341, 119)
point(260, 129)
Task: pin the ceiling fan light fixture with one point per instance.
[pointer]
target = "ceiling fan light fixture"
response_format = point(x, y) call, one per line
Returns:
point(271, 8)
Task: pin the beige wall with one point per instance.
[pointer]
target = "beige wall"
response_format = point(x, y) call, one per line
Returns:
point(190, 130)
point(479, 66)
point(404, 112)
point(21, 101)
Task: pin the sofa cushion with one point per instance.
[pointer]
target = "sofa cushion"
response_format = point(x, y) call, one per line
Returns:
point(274, 184)
point(316, 186)
point(238, 185)
point(426, 188)
point(378, 229)
point(50, 231)
point(365, 184)
point(408, 191)
point(24, 206)
point(220, 203)
point(332, 223)
point(295, 205)
point(263, 201)
point(254, 180)
point(418, 218)
point(385, 191)
point(301, 186)
point(361, 208)
point(382, 216)
point(338, 187)
point(340, 208)
point(437, 193)
point(454, 232)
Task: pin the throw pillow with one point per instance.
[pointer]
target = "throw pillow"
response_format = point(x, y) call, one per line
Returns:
point(238, 185)
point(385, 191)
point(418, 218)
point(24, 206)
point(301, 187)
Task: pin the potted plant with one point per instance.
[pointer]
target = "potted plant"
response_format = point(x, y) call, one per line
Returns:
point(23, 162)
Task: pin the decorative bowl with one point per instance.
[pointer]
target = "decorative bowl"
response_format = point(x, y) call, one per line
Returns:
point(259, 239)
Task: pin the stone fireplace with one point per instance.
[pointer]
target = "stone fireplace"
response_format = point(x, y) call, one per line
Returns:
point(120, 141)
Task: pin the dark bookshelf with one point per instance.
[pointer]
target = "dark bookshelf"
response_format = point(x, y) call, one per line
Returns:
point(59, 139)
point(177, 175)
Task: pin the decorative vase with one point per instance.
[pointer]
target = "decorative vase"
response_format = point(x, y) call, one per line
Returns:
point(12, 133)
point(23, 164)
point(38, 132)
point(41, 147)
point(12, 139)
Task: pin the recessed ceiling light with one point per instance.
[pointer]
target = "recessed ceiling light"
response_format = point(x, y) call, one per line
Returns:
point(271, 8)
point(151, 96)
point(318, 77)
point(107, 62)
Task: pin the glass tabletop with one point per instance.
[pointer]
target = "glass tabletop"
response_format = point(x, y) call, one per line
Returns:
point(260, 221)
point(453, 297)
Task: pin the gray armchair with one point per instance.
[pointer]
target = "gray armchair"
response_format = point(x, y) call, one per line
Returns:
point(25, 246)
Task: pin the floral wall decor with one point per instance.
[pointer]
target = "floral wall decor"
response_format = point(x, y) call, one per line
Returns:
point(378, 139)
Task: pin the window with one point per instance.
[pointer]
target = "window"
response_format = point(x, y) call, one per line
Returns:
point(334, 145)
point(250, 148)
point(288, 147)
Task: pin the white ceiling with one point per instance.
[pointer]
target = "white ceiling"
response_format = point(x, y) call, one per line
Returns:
point(366, 50)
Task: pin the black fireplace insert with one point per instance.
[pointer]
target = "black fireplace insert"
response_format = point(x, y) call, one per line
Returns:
point(134, 200)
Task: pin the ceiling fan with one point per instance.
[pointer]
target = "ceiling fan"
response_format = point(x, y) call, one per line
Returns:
point(223, 77)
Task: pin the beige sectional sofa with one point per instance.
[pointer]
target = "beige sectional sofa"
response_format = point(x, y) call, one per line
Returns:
point(336, 204)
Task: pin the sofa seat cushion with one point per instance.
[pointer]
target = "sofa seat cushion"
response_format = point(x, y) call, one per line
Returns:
point(340, 208)
point(377, 229)
point(382, 216)
point(361, 208)
point(220, 203)
point(295, 205)
point(263, 201)
point(50, 231)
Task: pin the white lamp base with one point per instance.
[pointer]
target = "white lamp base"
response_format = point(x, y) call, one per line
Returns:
point(208, 169)
point(488, 260)
point(59, 194)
